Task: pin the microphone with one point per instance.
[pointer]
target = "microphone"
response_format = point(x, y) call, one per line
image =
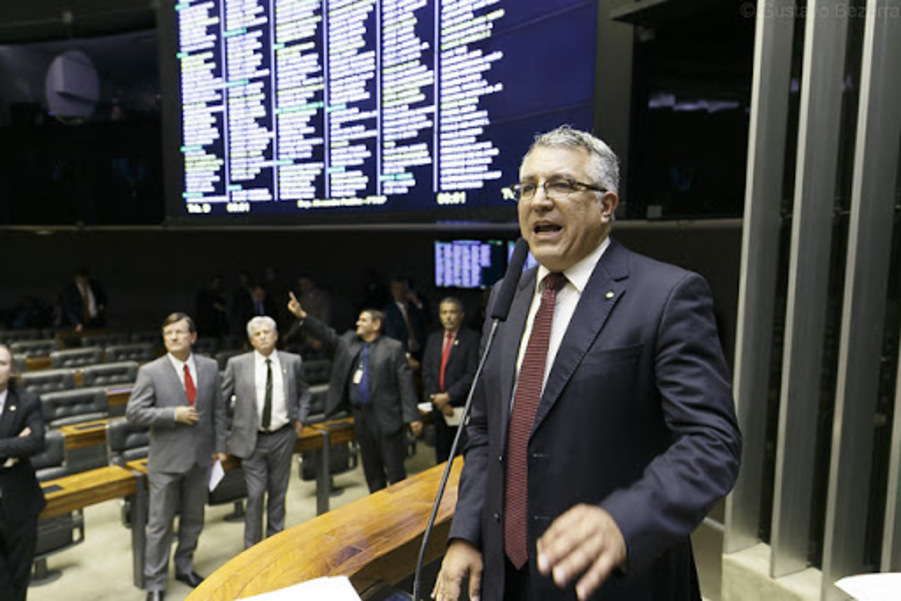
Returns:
point(504, 299)
point(499, 311)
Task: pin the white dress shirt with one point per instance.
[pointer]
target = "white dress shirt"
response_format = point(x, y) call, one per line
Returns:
point(180, 368)
point(568, 296)
point(279, 415)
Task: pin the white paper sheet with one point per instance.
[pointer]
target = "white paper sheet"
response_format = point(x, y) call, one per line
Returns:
point(872, 587)
point(450, 420)
point(336, 588)
point(217, 473)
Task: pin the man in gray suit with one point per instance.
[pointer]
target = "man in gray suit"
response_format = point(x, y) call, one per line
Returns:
point(370, 376)
point(179, 398)
point(271, 404)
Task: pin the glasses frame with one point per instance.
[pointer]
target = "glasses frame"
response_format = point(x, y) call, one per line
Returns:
point(574, 186)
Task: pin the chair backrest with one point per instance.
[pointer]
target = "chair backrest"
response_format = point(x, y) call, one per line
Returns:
point(19, 363)
point(67, 407)
point(135, 351)
point(107, 339)
point(126, 442)
point(222, 357)
point(109, 374)
point(48, 380)
point(50, 463)
point(317, 371)
point(33, 348)
point(205, 346)
point(10, 336)
point(77, 357)
point(318, 394)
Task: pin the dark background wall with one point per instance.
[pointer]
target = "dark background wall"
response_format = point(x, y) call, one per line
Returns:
point(150, 272)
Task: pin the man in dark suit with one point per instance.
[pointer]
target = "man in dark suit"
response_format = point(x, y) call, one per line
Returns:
point(21, 498)
point(448, 366)
point(371, 377)
point(271, 404)
point(84, 302)
point(604, 429)
point(405, 320)
point(179, 398)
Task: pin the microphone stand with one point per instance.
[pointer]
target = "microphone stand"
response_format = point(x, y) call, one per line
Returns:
point(447, 466)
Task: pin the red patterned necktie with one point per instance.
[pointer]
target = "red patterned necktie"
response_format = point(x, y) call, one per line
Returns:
point(190, 390)
point(525, 403)
point(445, 352)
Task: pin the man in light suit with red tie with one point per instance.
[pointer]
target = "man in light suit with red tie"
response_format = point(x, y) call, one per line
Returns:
point(179, 398)
point(603, 429)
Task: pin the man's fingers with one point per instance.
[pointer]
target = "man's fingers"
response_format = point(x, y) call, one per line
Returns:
point(597, 573)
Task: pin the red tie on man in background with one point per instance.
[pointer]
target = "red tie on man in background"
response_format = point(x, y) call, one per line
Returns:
point(445, 351)
point(190, 390)
point(525, 404)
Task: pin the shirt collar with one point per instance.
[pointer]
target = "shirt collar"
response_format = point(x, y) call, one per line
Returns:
point(179, 365)
point(259, 358)
point(579, 273)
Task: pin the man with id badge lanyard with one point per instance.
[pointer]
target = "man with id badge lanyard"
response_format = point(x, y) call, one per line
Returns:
point(371, 378)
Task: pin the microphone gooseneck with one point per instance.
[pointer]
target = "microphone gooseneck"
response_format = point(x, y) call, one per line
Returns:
point(499, 311)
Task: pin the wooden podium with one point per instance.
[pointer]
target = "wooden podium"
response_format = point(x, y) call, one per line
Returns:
point(373, 541)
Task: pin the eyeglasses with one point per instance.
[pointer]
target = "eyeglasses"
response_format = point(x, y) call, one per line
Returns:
point(555, 189)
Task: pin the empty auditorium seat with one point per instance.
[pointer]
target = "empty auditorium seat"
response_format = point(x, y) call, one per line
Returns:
point(19, 363)
point(48, 380)
point(106, 339)
point(317, 371)
point(77, 357)
point(60, 532)
point(10, 336)
point(205, 346)
point(222, 357)
point(342, 457)
point(33, 348)
point(135, 351)
point(65, 407)
point(126, 442)
point(110, 374)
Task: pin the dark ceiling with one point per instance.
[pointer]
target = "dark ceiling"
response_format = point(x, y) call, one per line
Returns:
point(23, 21)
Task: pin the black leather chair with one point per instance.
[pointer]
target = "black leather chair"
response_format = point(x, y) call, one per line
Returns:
point(66, 407)
point(317, 371)
point(33, 348)
point(10, 336)
point(19, 363)
point(126, 442)
point(134, 351)
point(48, 380)
point(77, 357)
point(110, 374)
point(59, 532)
point(342, 458)
point(104, 340)
point(223, 356)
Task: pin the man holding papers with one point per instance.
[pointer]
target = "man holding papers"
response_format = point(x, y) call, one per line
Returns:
point(448, 367)
point(178, 397)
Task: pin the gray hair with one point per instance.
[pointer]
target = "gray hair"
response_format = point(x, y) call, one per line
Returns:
point(258, 321)
point(603, 166)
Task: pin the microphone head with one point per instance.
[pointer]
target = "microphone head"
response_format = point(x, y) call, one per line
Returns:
point(504, 298)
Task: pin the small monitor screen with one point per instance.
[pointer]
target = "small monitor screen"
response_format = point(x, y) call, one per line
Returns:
point(469, 263)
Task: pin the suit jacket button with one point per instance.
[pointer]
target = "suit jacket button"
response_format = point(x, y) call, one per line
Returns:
point(497, 517)
point(500, 458)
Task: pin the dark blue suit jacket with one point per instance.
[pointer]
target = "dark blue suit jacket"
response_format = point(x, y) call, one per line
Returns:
point(636, 417)
point(20, 493)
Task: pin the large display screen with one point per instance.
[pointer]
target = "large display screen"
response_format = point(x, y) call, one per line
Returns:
point(327, 110)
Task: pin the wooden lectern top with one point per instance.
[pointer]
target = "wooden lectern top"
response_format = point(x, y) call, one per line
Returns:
point(374, 541)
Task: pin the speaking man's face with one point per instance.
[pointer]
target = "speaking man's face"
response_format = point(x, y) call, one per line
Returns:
point(561, 229)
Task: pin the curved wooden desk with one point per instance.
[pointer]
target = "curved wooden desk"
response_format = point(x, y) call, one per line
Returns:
point(374, 541)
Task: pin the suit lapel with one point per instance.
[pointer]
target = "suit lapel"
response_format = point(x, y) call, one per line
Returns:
point(605, 287)
point(508, 343)
point(8, 418)
point(174, 379)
